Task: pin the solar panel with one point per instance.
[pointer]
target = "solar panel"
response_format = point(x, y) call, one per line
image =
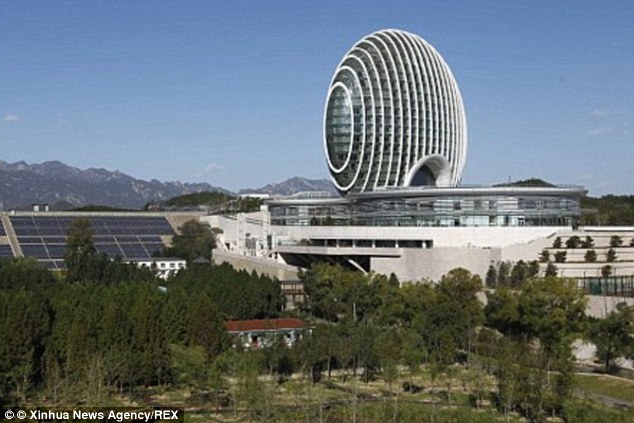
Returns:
point(153, 247)
point(37, 251)
point(55, 240)
point(51, 231)
point(5, 251)
point(56, 251)
point(134, 251)
point(26, 231)
point(111, 250)
point(150, 238)
point(30, 239)
point(130, 237)
point(127, 238)
point(103, 239)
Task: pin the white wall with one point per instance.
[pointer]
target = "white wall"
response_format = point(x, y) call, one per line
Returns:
point(442, 237)
point(433, 263)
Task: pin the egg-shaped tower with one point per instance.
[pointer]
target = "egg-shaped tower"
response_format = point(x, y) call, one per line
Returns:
point(394, 116)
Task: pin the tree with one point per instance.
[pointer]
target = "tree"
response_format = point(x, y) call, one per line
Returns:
point(560, 256)
point(412, 352)
point(519, 273)
point(557, 242)
point(205, 326)
point(334, 293)
point(610, 256)
point(388, 349)
point(190, 366)
point(24, 326)
point(79, 237)
point(551, 309)
point(551, 270)
point(79, 251)
point(615, 241)
point(590, 256)
point(491, 277)
point(503, 273)
point(632, 242)
point(508, 374)
point(457, 311)
point(573, 242)
point(613, 335)
point(194, 239)
point(85, 264)
point(533, 269)
point(543, 320)
point(544, 257)
point(606, 271)
point(24, 273)
point(502, 312)
point(588, 242)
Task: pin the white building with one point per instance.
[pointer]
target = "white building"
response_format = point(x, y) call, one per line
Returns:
point(164, 267)
point(395, 140)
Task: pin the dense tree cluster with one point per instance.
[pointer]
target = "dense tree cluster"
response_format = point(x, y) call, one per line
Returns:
point(614, 336)
point(506, 274)
point(194, 239)
point(522, 338)
point(609, 210)
point(215, 202)
point(80, 340)
point(237, 294)
point(102, 328)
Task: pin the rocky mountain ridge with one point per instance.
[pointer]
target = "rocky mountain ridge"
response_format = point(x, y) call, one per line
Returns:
point(64, 187)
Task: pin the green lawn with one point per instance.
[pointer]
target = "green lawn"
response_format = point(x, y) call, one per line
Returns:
point(617, 388)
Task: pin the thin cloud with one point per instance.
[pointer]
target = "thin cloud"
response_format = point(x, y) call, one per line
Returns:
point(608, 112)
point(599, 132)
point(213, 168)
point(10, 118)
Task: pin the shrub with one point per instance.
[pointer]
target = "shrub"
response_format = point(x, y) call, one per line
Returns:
point(573, 242)
point(591, 256)
point(551, 270)
point(615, 241)
point(610, 256)
point(588, 242)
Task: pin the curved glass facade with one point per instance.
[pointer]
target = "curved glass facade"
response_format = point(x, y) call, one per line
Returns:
point(394, 116)
point(466, 207)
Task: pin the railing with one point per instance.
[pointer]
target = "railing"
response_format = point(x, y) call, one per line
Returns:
point(616, 286)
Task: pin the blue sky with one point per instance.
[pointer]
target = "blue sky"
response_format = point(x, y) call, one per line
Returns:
point(232, 93)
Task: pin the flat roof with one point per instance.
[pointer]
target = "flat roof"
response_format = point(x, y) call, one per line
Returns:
point(427, 192)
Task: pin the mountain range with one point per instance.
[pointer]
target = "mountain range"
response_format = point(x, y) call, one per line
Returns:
point(65, 187)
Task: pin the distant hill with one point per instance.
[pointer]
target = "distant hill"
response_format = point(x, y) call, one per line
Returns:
point(608, 210)
point(65, 187)
point(211, 202)
point(532, 182)
point(293, 186)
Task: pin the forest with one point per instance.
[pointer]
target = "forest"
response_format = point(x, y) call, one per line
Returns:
point(376, 348)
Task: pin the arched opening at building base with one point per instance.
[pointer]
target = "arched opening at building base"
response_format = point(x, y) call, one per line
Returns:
point(432, 171)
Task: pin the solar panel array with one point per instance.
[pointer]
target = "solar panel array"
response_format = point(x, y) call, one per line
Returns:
point(128, 237)
point(5, 251)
